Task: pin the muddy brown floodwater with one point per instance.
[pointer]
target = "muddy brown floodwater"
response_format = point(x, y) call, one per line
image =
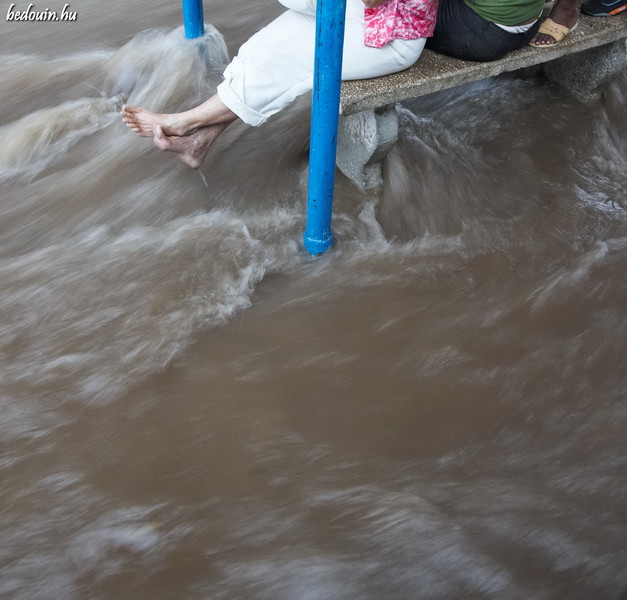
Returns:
point(191, 407)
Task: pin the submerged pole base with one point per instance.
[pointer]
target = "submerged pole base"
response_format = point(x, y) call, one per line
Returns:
point(317, 244)
point(330, 17)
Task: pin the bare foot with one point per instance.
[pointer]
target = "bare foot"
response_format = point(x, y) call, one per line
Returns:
point(192, 148)
point(143, 122)
point(564, 13)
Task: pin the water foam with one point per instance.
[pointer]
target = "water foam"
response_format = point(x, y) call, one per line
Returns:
point(90, 316)
point(157, 68)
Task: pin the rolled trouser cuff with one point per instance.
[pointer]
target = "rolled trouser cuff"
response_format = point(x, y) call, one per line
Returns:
point(233, 100)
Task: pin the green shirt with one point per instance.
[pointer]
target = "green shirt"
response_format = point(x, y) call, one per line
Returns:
point(507, 12)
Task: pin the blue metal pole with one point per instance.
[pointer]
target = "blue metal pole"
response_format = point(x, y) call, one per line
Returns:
point(330, 17)
point(193, 19)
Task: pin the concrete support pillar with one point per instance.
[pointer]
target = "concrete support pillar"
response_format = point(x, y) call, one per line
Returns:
point(364, 139)
point(585, 73)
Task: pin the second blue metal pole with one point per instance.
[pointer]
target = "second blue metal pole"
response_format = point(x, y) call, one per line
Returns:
point(330, 20)
point(193, 19)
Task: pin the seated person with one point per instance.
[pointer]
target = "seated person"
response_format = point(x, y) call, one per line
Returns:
point(484, 30)
point(276, 65)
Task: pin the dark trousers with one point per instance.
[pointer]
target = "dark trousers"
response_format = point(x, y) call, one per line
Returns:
point(460, 32)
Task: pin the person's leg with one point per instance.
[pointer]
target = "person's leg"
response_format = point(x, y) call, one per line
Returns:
point(564, 15)
point(209, 113)
point(253, 56)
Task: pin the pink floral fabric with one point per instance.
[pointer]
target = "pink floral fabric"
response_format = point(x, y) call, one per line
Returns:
point(399, 20)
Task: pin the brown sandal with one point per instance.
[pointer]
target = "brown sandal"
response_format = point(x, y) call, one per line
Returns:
point(555, 30)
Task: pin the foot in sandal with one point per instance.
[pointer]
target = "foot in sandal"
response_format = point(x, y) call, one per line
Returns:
point(562, 20)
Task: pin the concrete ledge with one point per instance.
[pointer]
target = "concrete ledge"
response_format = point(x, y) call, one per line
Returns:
point(434, 72)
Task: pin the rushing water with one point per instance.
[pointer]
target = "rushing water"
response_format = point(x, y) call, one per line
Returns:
point(191, 407)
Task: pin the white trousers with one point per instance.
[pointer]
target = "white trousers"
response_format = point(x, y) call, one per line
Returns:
point(276, 64)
